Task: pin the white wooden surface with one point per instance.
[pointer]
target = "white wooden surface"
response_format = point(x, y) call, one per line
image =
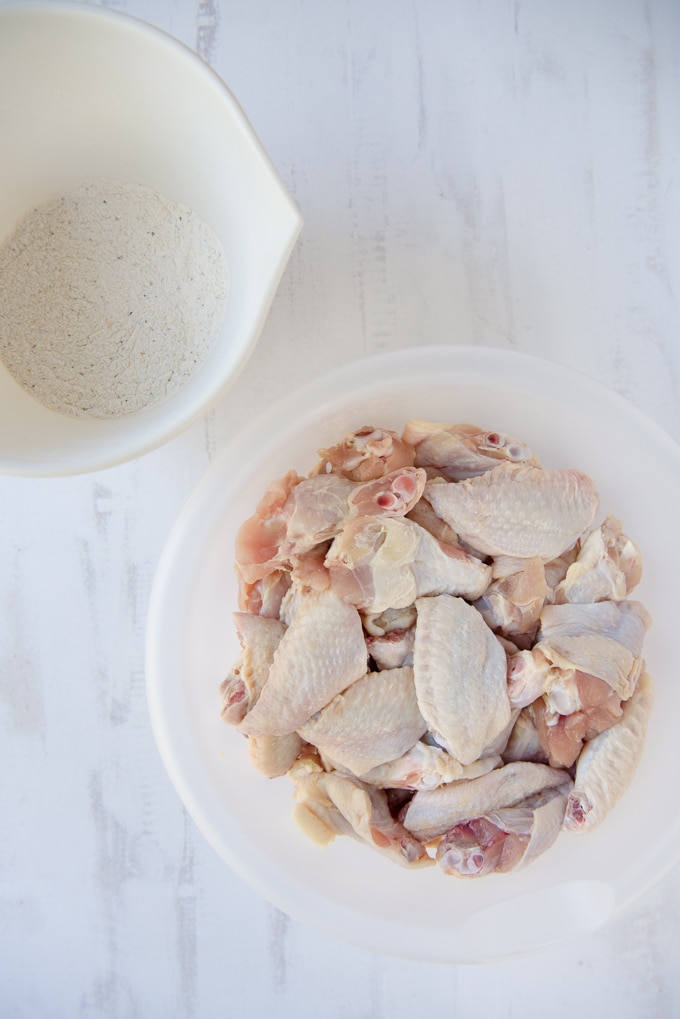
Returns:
point(470, 171)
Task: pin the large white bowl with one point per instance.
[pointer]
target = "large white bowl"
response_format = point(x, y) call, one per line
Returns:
point(346, 889)
point(89, 92)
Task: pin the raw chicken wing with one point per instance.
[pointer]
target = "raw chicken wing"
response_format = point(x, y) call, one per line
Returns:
point(425, 766)
point(297, 514)
point(608, 566)
point(274, 756)
point(366, 454)
point(259, 637)
point(375, 720)
point(460, 675)
point(463, 451)
point(506, 839)
point(607, 763)
point(562, 734)
point(431, 813)
point(513, 601)
point(321, 653)
point(603, 639)
point(344, 805)
point(393, 650)
point(381, 563)
point(516, 510)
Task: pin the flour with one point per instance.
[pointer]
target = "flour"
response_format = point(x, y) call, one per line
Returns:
point(111, 298)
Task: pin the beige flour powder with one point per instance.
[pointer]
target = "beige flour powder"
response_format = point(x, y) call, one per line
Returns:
point(111, 297)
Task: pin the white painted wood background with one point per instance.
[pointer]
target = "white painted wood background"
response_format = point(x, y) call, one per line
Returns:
point(470, 171)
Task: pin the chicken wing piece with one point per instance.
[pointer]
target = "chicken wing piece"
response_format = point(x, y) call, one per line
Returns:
point(390, 636)
point(259, 538)
point(314, 812)
point(593, 707)
point(608, 566)
point(295, 514)
point(433, 812)
point(440, 568)
point(423, 514)
point(513, 601)
point(426, 767)
point(318, 507)
point(366, 454)
point(294, 598)
point(393, 650)
point(460, 676)
point(264, 597)
point(608, 762)
point(273, 756)
point(375, 720)
point(603, 639)
point(517, 510)
point(524, 744)
point(308, 571)
point(315, 511)
point(393, 495)
point(463, 451)
point(556, 569)
point(380, 563)
point(378, 624)
point(321, 653)
point(528, 672)
point(506, 839)
point(346, 806)
point(259, 637)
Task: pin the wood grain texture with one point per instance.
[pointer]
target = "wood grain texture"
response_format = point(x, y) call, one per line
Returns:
point(496, 173)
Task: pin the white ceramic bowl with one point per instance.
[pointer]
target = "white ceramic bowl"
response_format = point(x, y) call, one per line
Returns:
point(346, 889)
point(89, 92)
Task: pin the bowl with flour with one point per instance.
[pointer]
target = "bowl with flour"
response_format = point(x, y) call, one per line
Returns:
point(143, 234)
